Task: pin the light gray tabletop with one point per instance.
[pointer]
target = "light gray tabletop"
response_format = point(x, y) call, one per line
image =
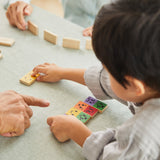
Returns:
point(38, 143)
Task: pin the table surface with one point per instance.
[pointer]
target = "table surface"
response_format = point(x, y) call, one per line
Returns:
point(38, 143)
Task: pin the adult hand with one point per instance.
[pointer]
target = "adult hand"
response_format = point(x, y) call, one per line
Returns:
point(15, 112)
point(16, 12)
point(88, 31)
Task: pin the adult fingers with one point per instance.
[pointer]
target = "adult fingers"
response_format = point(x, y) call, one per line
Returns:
point(20, 15)
point(29, 100)
point(26, 120)
point(27, 10)
point(9, 19)
point(14, 126)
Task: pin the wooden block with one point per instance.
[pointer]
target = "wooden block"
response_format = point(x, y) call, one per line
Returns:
point(33, 28)
point(28, 79)
point(91, 101)
point(91, 111)
point(100, 106)
point(71, 43)
point(73, 111)
point(50, 37)
point(6, 41)
point(83, 117)
point(81, 106)
point(89, 44)
point(1, 56)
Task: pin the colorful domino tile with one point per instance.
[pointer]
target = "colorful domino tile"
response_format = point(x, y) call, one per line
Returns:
point(91, 101)
point(28, 79)
point(91, 111)
point(73, 111)
point(81, 106)
point(100, 106)
point(83, 117)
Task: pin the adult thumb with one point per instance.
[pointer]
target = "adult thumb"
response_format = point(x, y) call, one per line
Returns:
point(28, 10)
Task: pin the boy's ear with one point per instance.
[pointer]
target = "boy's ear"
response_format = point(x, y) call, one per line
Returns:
point(137, 85)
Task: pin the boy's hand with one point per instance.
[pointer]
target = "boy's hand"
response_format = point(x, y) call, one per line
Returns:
point(60, 126)
point(65, 127)
point(50, 72)
point(16, 12)
point(88, 31)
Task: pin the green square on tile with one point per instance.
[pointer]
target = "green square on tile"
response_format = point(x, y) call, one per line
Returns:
point(84, 117)
point(100, 106)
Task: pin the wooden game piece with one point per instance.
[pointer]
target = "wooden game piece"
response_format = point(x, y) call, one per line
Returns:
point(89, 44)
point(73, 111)
point(33, 28)
point(100, 106)
point(50, 37)
point(1, 56)
point(28, 79)
point(6, 41)
point(71, 43)
point(81, 106)
point(83, 117)
point(90, 100)
point(91, 111)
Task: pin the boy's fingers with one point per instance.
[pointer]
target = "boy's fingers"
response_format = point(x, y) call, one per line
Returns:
point(43, 78)
point(35, 101)
point(38, 69)
point(50, 120)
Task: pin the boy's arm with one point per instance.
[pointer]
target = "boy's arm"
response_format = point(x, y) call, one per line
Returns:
point(76, 75)
point(54, 73)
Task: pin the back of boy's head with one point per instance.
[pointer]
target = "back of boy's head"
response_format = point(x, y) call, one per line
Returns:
point(126, 39)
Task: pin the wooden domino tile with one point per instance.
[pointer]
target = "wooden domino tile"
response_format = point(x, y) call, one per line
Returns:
point(28, 79)
point(81, 106)
point(6, 41)
point(73, 111)
point(71, 43)
point(1, 56)
point(33, 28)
point(90, 100)
point(89, 44)
point(100, 106)
point(50, 37)
point(83, 117)
point(91, 111)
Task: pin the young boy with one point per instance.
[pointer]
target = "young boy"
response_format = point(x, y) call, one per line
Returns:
point(126, 39)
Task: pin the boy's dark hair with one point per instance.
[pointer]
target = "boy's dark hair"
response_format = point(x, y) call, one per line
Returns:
point(126, 39)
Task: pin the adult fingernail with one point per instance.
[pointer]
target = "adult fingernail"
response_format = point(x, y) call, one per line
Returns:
point(6, 134)
point(46, 102)
point(26, 11)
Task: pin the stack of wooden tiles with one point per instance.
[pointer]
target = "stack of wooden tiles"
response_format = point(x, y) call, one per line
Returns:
point(86, 110)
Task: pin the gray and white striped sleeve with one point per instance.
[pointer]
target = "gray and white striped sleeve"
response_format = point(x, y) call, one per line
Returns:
point(97, 80)
point(137, 139)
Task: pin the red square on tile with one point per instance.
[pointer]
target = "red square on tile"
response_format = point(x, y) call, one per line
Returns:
point(91, 111)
